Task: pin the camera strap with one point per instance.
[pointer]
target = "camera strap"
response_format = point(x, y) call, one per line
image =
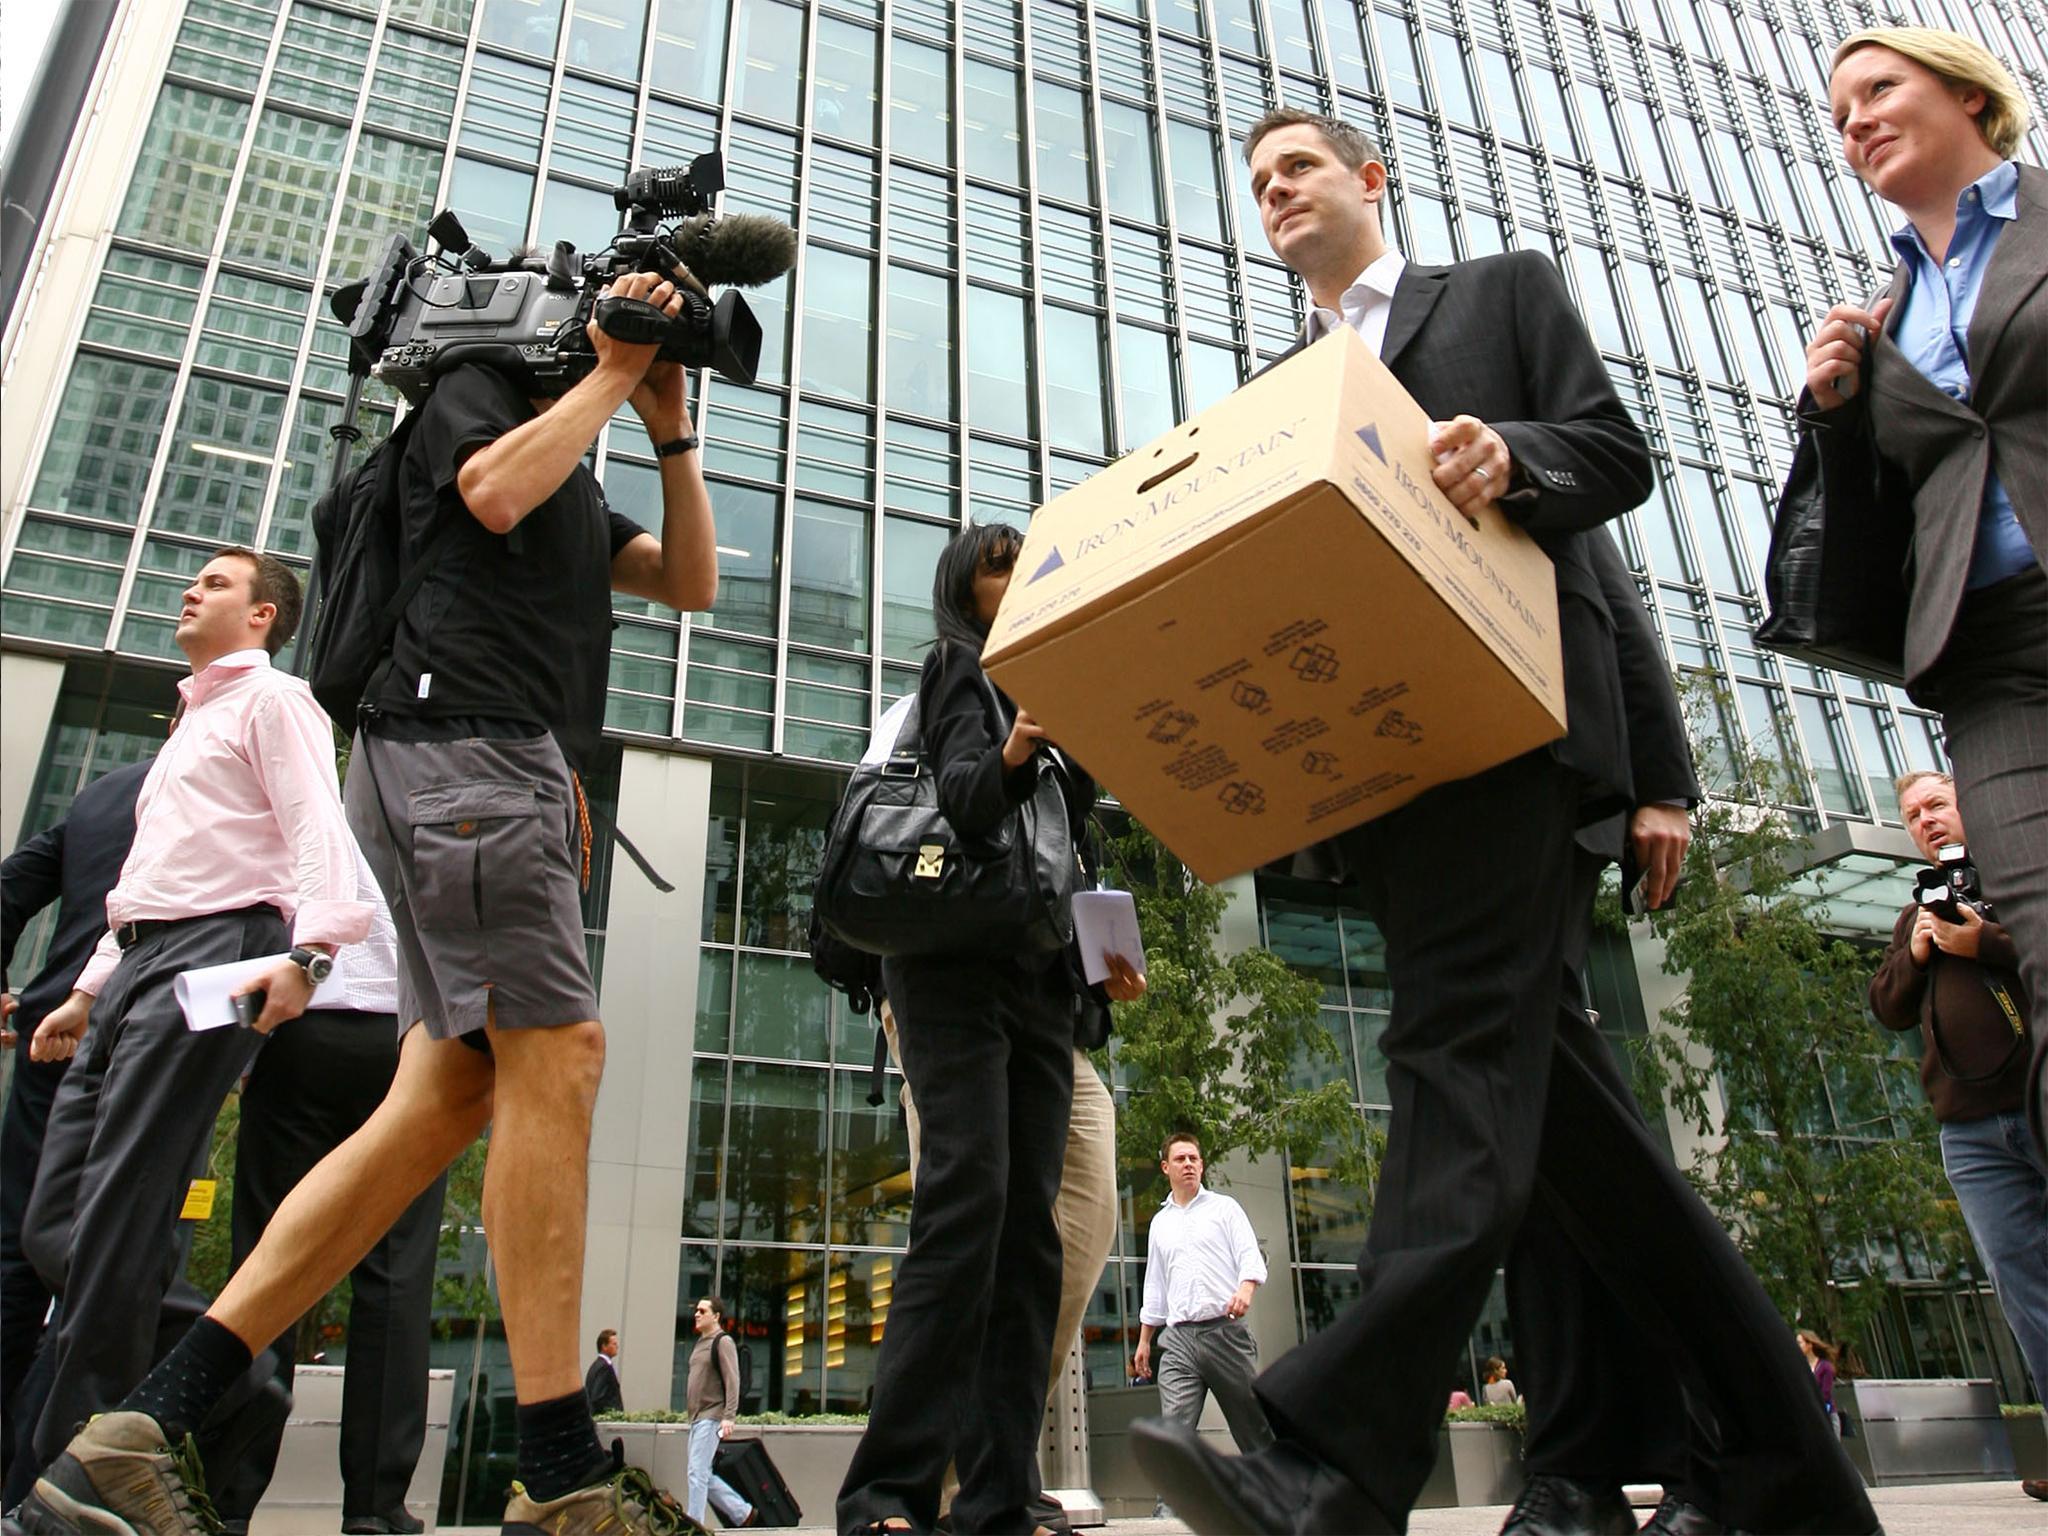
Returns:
point(2001, 995)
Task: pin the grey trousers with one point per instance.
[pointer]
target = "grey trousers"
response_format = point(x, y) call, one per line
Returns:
point(1994, 702)
point(1221, 1357)
point(130, 1125)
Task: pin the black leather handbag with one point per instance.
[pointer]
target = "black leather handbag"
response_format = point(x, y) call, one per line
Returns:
point(1836, 577)
point(896, 878)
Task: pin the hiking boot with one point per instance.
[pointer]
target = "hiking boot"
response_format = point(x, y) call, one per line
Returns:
point(625, 1504)
point(117, 1477)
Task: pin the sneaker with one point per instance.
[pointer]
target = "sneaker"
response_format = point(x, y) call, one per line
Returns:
point(625, 1504)
point(396, 1522)
point(119, 1478)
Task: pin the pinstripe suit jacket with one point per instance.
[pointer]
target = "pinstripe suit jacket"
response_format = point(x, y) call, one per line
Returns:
point(1498, 338)
point(1941, 450)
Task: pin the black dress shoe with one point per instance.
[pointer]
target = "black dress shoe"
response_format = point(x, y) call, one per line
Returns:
point(395, 1522)
point(1676, 1517)
point(1564, 1506)
point(1285, 1488)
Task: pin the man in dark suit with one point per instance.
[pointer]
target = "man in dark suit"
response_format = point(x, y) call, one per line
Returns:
point(1574, 1338)
point(74, 864)
point(601, 1381)
point(1470, 884)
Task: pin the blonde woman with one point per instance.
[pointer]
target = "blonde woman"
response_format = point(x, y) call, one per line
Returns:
point(1942, 379)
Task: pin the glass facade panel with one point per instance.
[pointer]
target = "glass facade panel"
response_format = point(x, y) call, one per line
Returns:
point(839, 323)
point(104, 441)
point(920, 344)
point(845, 97)
point(688, 57)
point(180, 186)
point(768, 70)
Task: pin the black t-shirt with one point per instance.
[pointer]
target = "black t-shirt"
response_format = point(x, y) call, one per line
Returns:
point(514, 626)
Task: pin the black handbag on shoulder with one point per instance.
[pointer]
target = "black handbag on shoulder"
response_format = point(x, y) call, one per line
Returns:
point(897, 879)
point(1835, 580)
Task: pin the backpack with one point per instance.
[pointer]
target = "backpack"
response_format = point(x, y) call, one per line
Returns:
point(364, 582)
point(745, 1357)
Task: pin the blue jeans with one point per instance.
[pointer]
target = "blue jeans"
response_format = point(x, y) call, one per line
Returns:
point(705, 1483)
point(2002, 1186)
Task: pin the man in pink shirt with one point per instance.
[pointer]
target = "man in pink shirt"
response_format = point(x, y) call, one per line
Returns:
point(240, 851)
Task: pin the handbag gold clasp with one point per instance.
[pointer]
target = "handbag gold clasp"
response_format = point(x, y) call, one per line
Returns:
point(931, 862)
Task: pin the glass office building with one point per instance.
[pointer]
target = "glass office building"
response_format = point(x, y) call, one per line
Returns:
point(1027, 246)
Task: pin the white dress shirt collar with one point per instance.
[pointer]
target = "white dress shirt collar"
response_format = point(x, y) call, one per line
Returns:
point(1365, 304)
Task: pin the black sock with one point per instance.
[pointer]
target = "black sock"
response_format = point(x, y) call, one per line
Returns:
point(195, 1375)
point(558, 1449)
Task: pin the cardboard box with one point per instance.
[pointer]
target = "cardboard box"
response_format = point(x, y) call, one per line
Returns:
point(1268, 625)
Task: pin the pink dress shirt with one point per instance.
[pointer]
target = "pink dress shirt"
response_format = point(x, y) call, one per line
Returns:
point(241, 807)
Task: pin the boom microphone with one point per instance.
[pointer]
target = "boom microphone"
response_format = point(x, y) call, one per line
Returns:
point(742, 249)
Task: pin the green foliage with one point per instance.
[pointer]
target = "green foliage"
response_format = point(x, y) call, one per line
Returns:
point(1773, 1025)
point(2020, 1410)
point(1240, 1089)
point(1514, 1415)
point(212, 1258)
point(462, 1290)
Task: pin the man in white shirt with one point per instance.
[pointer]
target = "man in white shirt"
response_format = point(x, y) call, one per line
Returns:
point(1202, 1264)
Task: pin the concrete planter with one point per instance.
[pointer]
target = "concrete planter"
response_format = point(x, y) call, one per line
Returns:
point(304, 1498)
point(1486, 1463)
point(812, 1458)
point(1926, 1431)
point(2029, 1436)
point(1125, 1491)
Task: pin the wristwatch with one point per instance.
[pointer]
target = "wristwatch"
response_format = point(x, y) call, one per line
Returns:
point(317, 964)
point(676, 445)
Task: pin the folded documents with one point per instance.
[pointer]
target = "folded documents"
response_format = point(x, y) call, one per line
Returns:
point(1106, 922)
point(207, 995)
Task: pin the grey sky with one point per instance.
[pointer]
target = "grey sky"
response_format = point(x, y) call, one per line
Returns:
point(26, 25)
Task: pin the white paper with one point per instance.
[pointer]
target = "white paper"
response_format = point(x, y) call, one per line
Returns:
point(207, 995)
point(1106, 922)
point(887, 729)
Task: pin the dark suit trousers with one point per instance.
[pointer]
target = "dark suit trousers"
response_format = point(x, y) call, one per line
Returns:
point(129, 1127)
point(314, 1084)
point(24, 1298)
point(1993, 690)
point(1496, 1105)
point(988, 1049)
point(1605, 1405)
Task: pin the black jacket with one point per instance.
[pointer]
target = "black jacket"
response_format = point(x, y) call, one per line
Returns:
point(75, 864)
point(963, 740)
point(601, 1386)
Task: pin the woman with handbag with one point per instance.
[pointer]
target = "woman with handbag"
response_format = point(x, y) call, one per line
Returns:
point(1941, 383)
point(987, 1046)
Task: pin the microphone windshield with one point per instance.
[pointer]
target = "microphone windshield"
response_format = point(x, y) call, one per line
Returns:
point(743, 249)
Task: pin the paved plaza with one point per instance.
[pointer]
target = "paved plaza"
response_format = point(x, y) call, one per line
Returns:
point(1947, 1509)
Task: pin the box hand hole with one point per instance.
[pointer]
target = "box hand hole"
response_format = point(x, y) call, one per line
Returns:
point(1166, 474)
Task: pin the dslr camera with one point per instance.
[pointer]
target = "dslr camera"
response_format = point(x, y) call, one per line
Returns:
point(416, 317)
point(1946, 889)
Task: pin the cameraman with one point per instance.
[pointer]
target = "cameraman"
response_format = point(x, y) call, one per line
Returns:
point(1958, 982)
point(463, 795)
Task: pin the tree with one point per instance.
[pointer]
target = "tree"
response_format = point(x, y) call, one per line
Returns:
point(1821, 1201)
point(1236, 1087)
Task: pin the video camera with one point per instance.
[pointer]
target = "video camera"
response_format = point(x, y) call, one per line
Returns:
point(1946, 890)
point(415, 317)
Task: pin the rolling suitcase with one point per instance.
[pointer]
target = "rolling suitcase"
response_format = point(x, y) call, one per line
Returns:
point(746, 1465)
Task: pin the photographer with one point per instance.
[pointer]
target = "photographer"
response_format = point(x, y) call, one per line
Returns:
point(1957, 982)
point(463, 794)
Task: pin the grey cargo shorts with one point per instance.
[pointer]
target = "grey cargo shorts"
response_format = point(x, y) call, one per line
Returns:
point(477, 846)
